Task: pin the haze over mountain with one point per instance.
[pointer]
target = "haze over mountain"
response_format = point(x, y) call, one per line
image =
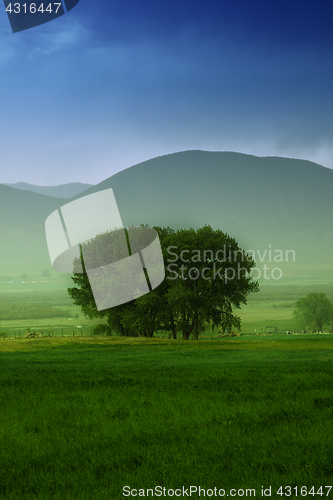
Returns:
point(23, 245)
point(282, 202)
point(62, 191)
point(267, 203)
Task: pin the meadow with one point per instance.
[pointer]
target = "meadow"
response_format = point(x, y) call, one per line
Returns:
point(83, 418)
point(43, 305)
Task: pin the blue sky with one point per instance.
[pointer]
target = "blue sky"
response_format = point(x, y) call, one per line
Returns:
point(113, 83)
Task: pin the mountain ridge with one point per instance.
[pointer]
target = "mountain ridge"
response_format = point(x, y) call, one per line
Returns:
point(260, 201)
point(244, 190)
point(66, 191)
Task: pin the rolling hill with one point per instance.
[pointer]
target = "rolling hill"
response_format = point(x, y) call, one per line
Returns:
point(62, 191)
point(282, 202)
point(267, 203)
point(23, 245)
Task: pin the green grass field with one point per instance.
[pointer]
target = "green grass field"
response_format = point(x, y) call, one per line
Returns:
point(82, 418)
point(44, 305)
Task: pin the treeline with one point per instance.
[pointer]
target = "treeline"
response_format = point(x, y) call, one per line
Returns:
point(45, 273)
point(30, 311)
point(207, 275)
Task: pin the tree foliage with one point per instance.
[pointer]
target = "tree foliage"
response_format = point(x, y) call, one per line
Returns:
point(207, 275)
point(313, 311)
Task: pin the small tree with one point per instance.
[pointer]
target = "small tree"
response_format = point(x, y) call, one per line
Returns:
point(313, 311)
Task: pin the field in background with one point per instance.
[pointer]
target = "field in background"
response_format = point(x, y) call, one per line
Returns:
point(43, 305)
point(84, 416)
point(82, 419)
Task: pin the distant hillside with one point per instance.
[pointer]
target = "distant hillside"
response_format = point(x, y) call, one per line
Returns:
point(62, 191)
point(265, 203)
point(23, 245)
point(282, 202)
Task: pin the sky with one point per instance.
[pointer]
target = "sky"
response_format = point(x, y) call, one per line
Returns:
point(116, 82)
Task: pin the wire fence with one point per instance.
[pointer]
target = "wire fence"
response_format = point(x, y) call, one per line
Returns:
point(38, 333)
point(42, 333)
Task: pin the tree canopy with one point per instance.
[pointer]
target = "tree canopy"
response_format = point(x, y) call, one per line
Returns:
point(313, 311)
point(207, 275)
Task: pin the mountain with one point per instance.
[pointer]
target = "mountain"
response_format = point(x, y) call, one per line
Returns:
point(265, 203)
point(62, 191)
point(23, 245)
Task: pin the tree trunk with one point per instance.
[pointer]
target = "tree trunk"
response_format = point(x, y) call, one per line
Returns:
point(195, 320)
point(186, 330)
point(186, 333)
point(196, 326)
point(173, 328)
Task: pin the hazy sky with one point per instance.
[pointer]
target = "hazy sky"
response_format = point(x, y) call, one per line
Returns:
point(116, 82)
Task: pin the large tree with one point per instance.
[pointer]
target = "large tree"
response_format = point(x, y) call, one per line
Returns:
point(207, 274)
point(313, 311)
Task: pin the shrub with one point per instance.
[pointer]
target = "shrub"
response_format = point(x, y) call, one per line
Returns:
point(101, 330)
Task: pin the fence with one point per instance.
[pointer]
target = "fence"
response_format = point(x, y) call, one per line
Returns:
point(36, 333)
